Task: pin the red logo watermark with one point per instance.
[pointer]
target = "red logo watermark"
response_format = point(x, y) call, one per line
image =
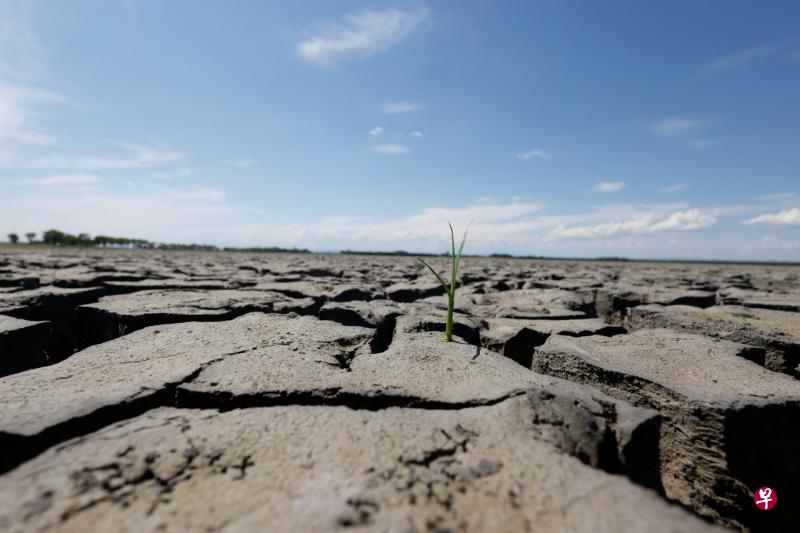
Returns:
point(765, 498)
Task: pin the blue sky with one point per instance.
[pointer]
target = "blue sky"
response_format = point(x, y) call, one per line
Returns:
point(627, 128)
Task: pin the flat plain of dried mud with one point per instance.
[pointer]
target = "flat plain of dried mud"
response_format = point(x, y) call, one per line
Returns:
point(171, 391)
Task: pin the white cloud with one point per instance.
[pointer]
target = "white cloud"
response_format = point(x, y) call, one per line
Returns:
point(788, 217)
point(175, 174)
point(141, 157)
point(393, 108)
point(772, 242)
point(205, 193)
point(689, 220)
point(391, 149)
point(360, 36)
point(417, 134)
point(34, 138)
point(660, 230)
point(19, 49)
point(735, 59)
point(669, 127)
point(677, 187)
point(18, 114)
point(702, 144)
point(778, 197)
point(194, 192)
point(493, 224)
point(155, 213)
point(20, 63)
point(377, 130)
point(610, 186)
point(239, 163)
point(62, 179)
point(202, 214)
point(535, 153)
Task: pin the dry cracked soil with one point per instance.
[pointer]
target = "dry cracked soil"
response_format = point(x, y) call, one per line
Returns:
point(192, 391)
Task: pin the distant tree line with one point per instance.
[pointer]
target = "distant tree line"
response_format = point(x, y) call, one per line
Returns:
point(423, 254)
point(13, 238)
point(370, 252)
point(273, 249)
point(54, 237)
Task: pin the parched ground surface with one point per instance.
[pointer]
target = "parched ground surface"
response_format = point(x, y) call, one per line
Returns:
point(169, 391)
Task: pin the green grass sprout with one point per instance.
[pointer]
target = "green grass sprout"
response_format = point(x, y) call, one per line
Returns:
point(450, 288)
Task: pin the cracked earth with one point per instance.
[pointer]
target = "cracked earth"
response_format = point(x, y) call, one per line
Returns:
point(170, 391)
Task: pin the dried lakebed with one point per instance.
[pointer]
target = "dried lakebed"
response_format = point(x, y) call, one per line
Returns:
point(169, 391)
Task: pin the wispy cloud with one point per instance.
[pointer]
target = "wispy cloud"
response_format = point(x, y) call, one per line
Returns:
point(788, 217)
point(18, 114)
point(62, 179)
point(535, 153)
point(516, 226)
point(20, 65)
point(494, 222)
point(677, 187)
point(156, 213)
point(377, 130)
point(194, 192)
point(610, 186)
point(20, 52)
point(203, 214)
point(688, 220)
point(171, 175)
point(139, 157)
point(239, 163)
point(777, 197)
point(417, 134)
point(391, 149)
point(393, 108)
point(669, 127)
point(776, 243)
point(681, 126)
point(702, 144)
point(738, 58)
point(359, 36)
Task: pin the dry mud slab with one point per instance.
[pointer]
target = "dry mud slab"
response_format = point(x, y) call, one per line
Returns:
point(777, 332)
point(718, 408)
point(175, 391)
point(113, 316)
point(22, 344)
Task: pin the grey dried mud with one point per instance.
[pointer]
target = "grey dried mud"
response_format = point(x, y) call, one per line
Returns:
point(183, 393)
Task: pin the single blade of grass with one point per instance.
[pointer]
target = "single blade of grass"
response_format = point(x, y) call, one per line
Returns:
point(461, 246)
point(452, 238)
point(450, 289)
point(441, 280)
